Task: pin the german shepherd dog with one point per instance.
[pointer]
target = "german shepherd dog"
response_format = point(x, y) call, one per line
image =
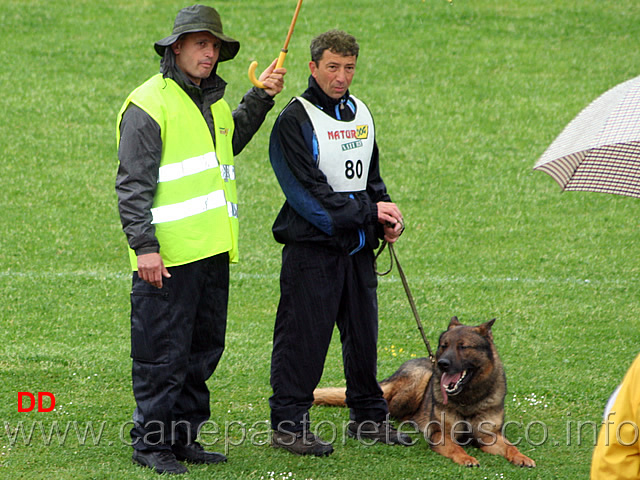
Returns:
point(458, 401)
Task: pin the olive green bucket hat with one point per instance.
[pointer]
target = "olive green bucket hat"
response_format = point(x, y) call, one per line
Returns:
point(200, 18)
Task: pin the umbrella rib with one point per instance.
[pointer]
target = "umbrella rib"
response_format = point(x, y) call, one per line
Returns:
point(563, 168)
point(599, 150)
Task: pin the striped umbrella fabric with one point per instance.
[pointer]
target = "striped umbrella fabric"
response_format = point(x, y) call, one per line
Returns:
point(599, 150)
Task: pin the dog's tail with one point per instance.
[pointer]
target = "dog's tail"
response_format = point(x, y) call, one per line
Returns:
point(332, 396)
point(336, 396)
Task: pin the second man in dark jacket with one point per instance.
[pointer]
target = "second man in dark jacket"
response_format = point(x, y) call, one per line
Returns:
point(324, 154)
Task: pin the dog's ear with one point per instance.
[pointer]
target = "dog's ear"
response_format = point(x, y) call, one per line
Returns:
point(454, 323)
point(485, 329)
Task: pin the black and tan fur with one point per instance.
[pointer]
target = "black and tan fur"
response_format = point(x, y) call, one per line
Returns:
point(469, 410)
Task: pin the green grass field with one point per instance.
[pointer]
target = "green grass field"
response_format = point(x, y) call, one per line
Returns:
point(466, 96)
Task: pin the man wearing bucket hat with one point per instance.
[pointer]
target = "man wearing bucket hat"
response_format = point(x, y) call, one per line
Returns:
point(177, 138)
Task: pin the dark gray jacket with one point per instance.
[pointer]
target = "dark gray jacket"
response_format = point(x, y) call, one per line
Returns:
point(140, 151)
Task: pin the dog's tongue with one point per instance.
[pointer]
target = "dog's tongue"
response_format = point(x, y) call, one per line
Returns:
point(448, 379)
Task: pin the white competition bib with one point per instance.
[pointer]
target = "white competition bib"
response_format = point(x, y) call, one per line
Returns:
point(344, 148)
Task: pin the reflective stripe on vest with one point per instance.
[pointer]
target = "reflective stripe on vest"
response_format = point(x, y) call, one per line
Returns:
point(195, 205)
point(188, 208)
point(187, 167)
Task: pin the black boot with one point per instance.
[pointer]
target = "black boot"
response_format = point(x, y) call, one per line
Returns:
point(162, 461)
point(195, 453)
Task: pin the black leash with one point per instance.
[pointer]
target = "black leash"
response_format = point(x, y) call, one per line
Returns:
point(393, 257)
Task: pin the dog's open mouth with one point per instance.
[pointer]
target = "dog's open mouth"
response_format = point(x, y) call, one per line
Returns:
point(452, 383)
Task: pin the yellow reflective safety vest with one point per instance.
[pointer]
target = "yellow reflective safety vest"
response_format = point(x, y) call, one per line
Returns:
point(617, 453)
point(195, 208)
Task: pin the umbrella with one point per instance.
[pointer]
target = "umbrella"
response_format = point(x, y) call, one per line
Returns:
point(283, 52)
point(599, 150)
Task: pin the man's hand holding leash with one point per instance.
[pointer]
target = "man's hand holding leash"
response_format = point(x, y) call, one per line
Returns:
point(390, 216)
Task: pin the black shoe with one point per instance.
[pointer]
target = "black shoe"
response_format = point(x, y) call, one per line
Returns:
point(382, 432)
point(195, 453)
point(162, 461)
point(301, 443)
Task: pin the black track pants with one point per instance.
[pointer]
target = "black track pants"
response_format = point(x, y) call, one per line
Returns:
point(318, 290)
point(177, 339)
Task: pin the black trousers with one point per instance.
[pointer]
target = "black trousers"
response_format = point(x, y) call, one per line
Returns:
point(177, 339)
point(318, 290)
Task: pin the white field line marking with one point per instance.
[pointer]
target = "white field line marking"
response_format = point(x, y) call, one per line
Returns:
point(71, 274)
point(425, 279)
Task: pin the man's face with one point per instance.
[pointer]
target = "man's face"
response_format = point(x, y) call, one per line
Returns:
point(197, 54)
point(334, 73)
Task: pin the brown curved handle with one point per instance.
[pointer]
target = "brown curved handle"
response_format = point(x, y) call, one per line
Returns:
point(254, 64)
point(252, 75)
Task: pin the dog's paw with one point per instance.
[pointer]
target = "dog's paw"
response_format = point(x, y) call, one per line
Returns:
point(457, 454)
point(523, 461)
point(466, 461)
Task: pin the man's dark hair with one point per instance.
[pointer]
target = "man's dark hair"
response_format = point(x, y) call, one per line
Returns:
point(336, 41)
